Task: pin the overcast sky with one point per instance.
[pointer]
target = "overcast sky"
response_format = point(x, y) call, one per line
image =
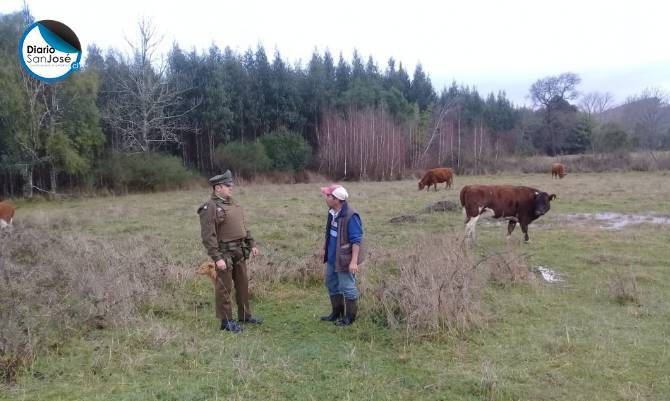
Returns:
point(616, 46)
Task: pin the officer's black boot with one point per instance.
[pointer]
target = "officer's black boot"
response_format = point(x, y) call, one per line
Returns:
point(230, 325)
point(337, 302)
point(350, 317)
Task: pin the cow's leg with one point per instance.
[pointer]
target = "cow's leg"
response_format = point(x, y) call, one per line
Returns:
point(470, 227)
point(524, 229)
point(510, 227)
point(435, 186)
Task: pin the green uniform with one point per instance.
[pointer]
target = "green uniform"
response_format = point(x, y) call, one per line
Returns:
point(225, 236)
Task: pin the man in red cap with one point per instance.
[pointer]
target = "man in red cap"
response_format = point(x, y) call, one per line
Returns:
point(343, 252)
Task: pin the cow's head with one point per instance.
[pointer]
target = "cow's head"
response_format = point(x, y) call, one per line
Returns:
point(421, 185)
point(542, 203)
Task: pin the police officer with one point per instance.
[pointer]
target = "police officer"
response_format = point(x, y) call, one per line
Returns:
point(229, 244)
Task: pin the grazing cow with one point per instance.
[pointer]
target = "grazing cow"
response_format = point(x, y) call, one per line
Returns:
point(435, 176)
point(6, 214)
point(558, 170)
point(517, 204)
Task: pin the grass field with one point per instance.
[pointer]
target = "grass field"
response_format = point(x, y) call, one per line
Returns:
point(566, 341)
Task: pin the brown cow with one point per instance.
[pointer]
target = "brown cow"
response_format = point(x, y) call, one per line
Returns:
point(558, 170)
point(514, 203)
point(435, 176)
point(6, 214)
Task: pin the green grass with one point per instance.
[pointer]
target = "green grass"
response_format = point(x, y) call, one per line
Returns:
point(567, 341)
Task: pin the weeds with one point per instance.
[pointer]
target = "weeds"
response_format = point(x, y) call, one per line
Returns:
point(55, 285)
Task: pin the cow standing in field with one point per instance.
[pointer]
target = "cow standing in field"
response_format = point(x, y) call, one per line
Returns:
point(436, 176)
point(6, 214)
point(558, 170)
point(514, 203)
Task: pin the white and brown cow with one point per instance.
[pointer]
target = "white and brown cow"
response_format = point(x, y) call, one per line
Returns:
point(6, 214)
point(514, 203)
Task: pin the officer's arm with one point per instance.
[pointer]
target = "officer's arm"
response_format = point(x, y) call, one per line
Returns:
point(208, 231)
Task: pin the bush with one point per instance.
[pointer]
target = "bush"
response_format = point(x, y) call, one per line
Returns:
point(510, 268)
point(431, 287)
point(622, 288)
point(287, 150)
point(244, 159)
point(612, 138)
point(57, 283)
point(142, 172)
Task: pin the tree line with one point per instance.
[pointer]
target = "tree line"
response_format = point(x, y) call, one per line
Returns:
point(138, 119)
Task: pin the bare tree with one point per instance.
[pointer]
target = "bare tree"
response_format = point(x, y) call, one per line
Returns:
point(31, 139)
point(545, 91)
point(596, 103)
point(647, 116)
point(553, 93)
point(147, 110)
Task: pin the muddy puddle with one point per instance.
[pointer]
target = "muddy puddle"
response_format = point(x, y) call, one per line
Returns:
point(614, 221)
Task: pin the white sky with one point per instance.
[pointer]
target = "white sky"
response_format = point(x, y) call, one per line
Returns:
point(616, 46)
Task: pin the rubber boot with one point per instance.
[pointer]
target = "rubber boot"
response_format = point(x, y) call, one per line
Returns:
point(337, 302)
point(350, 316)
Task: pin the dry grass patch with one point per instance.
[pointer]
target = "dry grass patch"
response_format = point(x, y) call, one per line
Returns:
point(431, 287)
point(509, 268)
point(436, 285)
point(622, 287)
point(54, 285)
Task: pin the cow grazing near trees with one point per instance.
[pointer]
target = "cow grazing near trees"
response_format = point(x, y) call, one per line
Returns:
point(6, 214)
point(558, 170)
point(436, 176)
point(514, 203)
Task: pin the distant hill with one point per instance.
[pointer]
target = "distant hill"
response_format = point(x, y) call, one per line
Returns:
point(644, 111)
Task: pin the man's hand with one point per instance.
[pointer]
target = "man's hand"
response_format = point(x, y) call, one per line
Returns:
point(353, 267)
point(254, 251)
point(221, 264)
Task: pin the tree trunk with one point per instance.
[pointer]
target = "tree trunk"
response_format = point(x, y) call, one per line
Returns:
point(27, 174)
point(458, 154)
point(52, 178)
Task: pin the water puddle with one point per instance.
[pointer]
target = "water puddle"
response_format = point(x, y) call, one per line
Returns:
point(548, 275)
point(615, 221)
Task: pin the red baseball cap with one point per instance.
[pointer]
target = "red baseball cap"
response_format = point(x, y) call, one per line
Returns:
point(329, 189)
point(335, 190)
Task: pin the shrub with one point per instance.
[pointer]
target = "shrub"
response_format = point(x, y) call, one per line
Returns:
point(56, 283)
point(622, 288)
point(431, 287)
point(244, 159)
point(142, 172)
point(287, 150)
point(509, 268)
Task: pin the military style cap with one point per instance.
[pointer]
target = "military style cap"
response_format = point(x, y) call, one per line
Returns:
point(225, 178)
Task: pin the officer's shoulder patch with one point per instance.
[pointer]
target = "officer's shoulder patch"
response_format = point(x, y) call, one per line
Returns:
point(202, 207)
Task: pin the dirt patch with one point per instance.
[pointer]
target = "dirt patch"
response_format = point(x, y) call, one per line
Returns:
point(441, 206)
point(615, 221)
point(403, 219)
